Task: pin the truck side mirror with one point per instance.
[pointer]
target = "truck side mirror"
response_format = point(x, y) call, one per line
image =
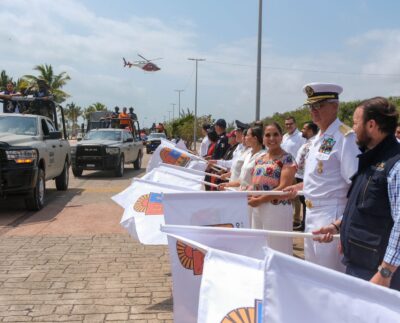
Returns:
point(54, 135)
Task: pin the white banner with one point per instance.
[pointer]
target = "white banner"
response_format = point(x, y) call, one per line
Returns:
point(144, 213)
point(219, 209)
point(231, 288)
point(168, 153)
point(177, 178)
point(299, 291)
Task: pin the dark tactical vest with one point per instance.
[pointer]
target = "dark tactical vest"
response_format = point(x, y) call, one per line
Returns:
point(367, 220)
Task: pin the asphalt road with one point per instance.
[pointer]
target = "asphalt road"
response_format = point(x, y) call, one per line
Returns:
point(86, 207)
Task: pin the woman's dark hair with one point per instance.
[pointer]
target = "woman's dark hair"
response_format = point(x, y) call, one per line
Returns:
point(276, 125)
point(382, 111)
point(212, 135)
point(206, 126)
point(257, 132)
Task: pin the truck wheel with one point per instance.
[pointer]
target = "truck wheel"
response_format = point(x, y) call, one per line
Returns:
point(119, 171)
point(137, 164)
point(63, 179)
point(35, 199)
point(77, 172)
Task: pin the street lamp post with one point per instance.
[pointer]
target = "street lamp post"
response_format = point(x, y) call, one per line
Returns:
point(259, 60)
point(197, 60)
point(173, 111)
point(179, 102)
point(169, 116)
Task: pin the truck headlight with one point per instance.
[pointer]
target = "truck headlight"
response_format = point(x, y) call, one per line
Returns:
point(23, 156)
point(112, 150)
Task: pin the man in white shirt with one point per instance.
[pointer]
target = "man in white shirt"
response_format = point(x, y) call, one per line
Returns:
point(329, 164)
point(205, 142)
point(309, 130)
point(291, 142)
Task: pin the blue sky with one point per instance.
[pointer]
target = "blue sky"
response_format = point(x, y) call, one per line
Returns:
point(354, 43)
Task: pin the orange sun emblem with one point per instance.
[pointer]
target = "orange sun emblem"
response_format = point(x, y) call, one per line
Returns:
point(191, 258)
point(149, 204)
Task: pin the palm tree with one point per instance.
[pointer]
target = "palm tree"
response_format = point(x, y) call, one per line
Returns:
point(72, 113)
point(92, 108)
point(4, 79)
point(55, 82)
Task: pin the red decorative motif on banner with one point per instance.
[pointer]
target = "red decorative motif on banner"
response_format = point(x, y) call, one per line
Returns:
point(174, 157)
point(149, 204)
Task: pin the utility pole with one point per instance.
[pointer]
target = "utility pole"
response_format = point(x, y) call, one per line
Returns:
point(169, 116)
point(197, 60)
point(179, 101)
point(173, 111)
point(259, 60)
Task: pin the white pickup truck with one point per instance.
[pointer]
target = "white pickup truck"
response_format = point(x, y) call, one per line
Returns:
point(32, 151)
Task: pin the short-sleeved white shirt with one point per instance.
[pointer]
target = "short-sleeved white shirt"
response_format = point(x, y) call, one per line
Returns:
point(291, 143)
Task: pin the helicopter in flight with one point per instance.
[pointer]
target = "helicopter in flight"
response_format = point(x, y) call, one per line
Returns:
point(145, 65)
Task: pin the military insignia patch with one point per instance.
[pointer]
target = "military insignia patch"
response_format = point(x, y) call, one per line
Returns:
point(327, 145)
point(309, 91)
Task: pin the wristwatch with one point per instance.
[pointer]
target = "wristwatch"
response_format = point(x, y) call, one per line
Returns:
point(385, 272)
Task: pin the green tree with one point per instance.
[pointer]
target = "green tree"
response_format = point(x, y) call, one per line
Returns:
point(4, 79)
point(72, 113)
point(55, 81)
point(93, 108)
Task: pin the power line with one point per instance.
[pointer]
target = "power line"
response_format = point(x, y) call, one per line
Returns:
point(305, 70)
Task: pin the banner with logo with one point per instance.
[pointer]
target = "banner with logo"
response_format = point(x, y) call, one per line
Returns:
point(216, 209)
point(232, 287)
point(168, 153)
point(144, 213)
point(299, 291)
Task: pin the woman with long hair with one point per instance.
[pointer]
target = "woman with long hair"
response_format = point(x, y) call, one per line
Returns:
point(273, 171)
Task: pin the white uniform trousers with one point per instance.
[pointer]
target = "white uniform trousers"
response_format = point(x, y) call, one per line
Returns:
point(279, 217)
point(324, 254)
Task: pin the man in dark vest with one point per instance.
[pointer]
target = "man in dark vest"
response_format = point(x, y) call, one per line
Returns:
point(370, 227)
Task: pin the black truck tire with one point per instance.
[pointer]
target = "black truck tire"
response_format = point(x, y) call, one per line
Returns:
point(62, 180)
point(119, 171)
point(35, 200)
point(137, 164)
point(77, 172)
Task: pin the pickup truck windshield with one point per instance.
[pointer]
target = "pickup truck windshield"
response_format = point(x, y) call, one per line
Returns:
point(18, 125)
point(157, 136)
point(103, 135)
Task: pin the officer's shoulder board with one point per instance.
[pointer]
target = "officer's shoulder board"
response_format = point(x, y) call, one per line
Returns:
point(345, 130)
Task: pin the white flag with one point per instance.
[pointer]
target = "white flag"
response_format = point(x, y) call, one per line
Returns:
point(219, 209)
point(177, 178)
point(231, 288)
point(144, 210)
point(299, 291)
point(168, 153)
point(243, 251)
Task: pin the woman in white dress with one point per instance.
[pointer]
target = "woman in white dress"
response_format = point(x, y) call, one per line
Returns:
point(273, 171)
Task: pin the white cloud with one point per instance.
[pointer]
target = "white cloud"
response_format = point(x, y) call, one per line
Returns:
point(89, 48)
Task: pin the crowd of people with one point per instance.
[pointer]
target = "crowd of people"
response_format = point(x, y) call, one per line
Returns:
point(330, 179)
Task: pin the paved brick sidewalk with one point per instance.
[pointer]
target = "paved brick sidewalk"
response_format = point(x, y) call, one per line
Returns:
point(93, 278)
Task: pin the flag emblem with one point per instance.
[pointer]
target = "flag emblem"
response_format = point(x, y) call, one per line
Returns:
point(245, 314)
point(174, 157)
point(191, 258)
point(149, 204)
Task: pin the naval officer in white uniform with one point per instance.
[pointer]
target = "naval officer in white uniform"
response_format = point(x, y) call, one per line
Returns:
point(331, 161)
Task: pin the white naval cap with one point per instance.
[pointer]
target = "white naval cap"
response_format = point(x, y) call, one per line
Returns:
point(317, 92)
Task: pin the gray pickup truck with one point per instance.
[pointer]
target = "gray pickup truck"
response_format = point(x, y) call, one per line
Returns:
point(33, 150)
point(107, 149)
